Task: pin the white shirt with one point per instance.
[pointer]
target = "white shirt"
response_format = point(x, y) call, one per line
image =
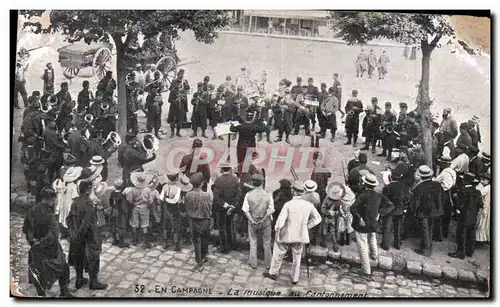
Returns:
point(246, 207)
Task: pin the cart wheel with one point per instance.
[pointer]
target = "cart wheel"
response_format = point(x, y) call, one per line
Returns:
point(101, 63)
point(70, 72)
point(168, 67)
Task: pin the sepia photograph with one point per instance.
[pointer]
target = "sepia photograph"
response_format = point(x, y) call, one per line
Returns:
point(317, 154)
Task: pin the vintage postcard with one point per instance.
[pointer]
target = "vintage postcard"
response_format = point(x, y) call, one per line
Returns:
point(250, 154)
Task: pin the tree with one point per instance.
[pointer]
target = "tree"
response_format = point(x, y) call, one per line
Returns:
point(423, 29)
point(124, 27)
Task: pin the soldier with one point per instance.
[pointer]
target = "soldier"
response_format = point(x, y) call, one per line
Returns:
point(84, 98)
point(134, 156)
point(261, 110)
point(370, 127)
point(247, 131)
point(448, 124)
point(219, 109)
point(296, 89)
point(473, 133)
point(353, 108)
point(64, 118)
point(312, 94)
point(55, 146)
point(107, 86)
point(178, 103)
point(302, 114)
point(239, 104)
point(63, 95)
point(388, 122)
point(337, 87)
point(48, 77)
point(284, 111)
point(322, 95)
point(329, 108)
point(200, 110)
point(361, 64)
point(382, 65)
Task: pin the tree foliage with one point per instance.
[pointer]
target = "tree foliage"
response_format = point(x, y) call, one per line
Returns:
point(363, 27)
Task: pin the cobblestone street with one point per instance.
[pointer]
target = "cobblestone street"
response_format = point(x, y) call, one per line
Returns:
point(134, 272)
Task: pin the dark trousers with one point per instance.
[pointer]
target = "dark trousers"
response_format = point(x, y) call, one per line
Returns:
point(427, 226)
point(153, 122)
point(200, 229)
point(466, 238)
point(391, 231)
point(330, 123)
point(371, 139)
point(224, 225)
point(443, 224)
point(199, 121)
point(132, 124)
point(299, 121)
point(20, 88)
point(388, 144)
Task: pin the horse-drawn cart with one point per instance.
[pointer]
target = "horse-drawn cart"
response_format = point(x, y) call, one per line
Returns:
point(80, 55)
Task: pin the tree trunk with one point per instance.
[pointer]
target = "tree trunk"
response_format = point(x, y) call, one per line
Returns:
point(425, 102)
point(122, 90)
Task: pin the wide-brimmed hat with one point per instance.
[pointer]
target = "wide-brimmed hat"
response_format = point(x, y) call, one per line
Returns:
point(298, 186)
point(310, 186)
point(335, 190)
point(101, 189)
point(185, 182)
point(370, 180)
point(91, 173)
point(139, 180)
point(424, 171)
point(72, 173)
point(172, 176)
point(97, 160)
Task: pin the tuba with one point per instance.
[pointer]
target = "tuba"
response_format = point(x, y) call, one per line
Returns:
point(45, 107)
point(89, 118)
point(351, 113)
point(150, 143)
point(112, 142)
point(382, 128)
point(52, 100)
point(389, 129)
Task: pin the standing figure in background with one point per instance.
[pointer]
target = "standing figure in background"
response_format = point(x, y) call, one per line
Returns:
point(85, 97)
point(178, 103)
point(361, 63)
point(48, 78)
point(372, 63)
point(484, 215)
point(382, 65)
point(200, 111)
point(329, 109)
point(353, 108)
point(413, 55)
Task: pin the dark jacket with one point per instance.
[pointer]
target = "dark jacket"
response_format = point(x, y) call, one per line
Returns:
point(367, 206)
point(464, 141)
point(226, 190)
point(468, 202)
point(474, 136)
point(476, 166)
point(134, 157)
point(397, 193)
point(426, 199)
point(186, 163)
point(355, 174)
point(247, 132)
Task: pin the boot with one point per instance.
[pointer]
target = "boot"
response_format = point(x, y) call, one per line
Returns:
point(287, 140)
point(268, 138)
point(347, 239)
point(158, 136)
point(355, 141)
point(115, 240)
point(80, 280)
point(348, 141)
point(203, 135)
point(259, 138)
point(147, 244)
point(96, 285)
point(177, 242)
point(65, 292)
point(214, 137)
point(165, 244)
point(122, 244)
point(195, 134)
point(135, 238)
point(383, 153)
point(178, 133)
point(172, 132)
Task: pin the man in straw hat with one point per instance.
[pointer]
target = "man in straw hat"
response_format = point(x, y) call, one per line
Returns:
point(366, 211)
point(186, 165)
point(171, 197)
point(292, 229)
point(199, 209)
point(258, 207)
point(227, 193)
point(85, 240)
point(46, 259)
point(466, 206)
point(142, 198)
point(426, 206)
point(392, 224)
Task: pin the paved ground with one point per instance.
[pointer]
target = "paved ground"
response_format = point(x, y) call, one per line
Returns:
point(162, 272)
point(466, 91)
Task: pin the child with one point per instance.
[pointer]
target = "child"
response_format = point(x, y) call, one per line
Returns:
point(483, 217)
point(119, 214)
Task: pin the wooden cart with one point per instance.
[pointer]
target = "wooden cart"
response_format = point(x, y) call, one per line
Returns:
point(80, 55)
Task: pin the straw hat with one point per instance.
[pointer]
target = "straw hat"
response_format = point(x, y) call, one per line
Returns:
point(139, 180)
point(370, 180)
point(310, 186)
point(186, 185)
point(424, 171)
point(335, 190)
point(298, 186)
point(97, 160)
point(72, 174)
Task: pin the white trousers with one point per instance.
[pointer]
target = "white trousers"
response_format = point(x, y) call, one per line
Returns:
point(279, 252)
point(367, 248)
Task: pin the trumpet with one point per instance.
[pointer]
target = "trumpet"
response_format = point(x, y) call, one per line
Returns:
point(45, 108)
point(389, 129)
point(89, 118)
point(381, 128)
point(112, 141)
point(105, 107)
point(351, 112)
point(150, 143)
point(369, 120)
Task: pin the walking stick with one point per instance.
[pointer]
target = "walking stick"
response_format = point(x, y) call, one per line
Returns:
point(307, 259)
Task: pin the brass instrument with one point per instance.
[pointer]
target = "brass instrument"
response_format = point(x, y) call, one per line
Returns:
point(89, 118)
point(389, 129)
point(52, 100)
point(105, 107)
point(45, 108)
point(112, 142)
point(351, 112)
point(150, 143)
point(381, 128)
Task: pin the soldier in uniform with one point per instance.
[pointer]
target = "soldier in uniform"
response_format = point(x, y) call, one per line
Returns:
point(372, 63)
point(154, 104)
point(48, 77)
point(132, 105)
point(178, 103)
point(337, 88)
point(278, 108)
point(239, 104)
point(302, 113)
point(296, 89)
point(55, 146)
point(247, 131)
point(107, 86)
point(322, 95)
point(361, 64)
point(84, 98)
point(353, 108)
point(312, 94)
point(388, 122)
point(261, 110)
point(200, 110)
point(329, 108)
point(383, 60)
point(219, 109)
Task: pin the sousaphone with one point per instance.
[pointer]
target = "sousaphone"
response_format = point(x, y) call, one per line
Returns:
point(150, 143)
point(112, 141)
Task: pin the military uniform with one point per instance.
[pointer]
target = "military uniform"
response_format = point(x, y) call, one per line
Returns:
point(246, 139)
point(178, 105)
point(134, 157)
point(388, 119)
point(353, 108)
point(200, 111)
point(154, 105)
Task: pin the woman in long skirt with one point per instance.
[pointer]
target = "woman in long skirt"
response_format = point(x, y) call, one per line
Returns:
point(483, 217)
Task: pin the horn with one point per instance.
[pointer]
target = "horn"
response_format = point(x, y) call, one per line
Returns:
point(52, 100)
point(389, 129)
point(351, 112)
point(150, 143)
point(105, 107)
point(45, 108)
point(381, 128)
point(89, 118)
point(369, 120)
point(112, 141)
